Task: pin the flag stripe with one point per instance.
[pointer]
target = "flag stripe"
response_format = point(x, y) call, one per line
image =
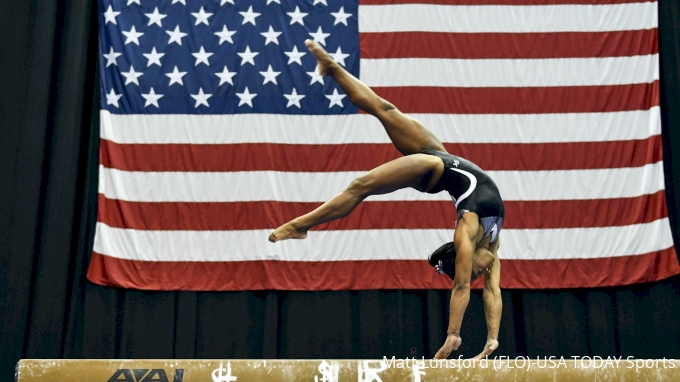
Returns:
point(363, 128)
point(504, 73)
point(584, 273)
point(507, 18)
point(501, 2)
point(370, 215)
point(574, 99)
point(375, 274)
point(508, 45)
point(364, 157)
point(375, 244)
point(319, 187)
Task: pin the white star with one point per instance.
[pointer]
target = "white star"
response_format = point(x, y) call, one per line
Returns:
point(202, 56)
point(341, 16)
point(153, 57)
point(294, 99)
point(271, 36)
point(152, 98)
point(225, 35)
point(319, 36)
point(270, 75)
point(246, 97)
point(132, 36)
point(201, 98)
point(176, 76)
point(316, 77)
point(179, 1)
point(227, 1)
point(336, 99)
point(339, 57)
point(155, 17)
point(110, 16)
point(248, 56)
point(134, 1)
point(320, 1)
point(249, 17)
point(175, 36)
point(201, 17)
point(296, 17)
point(273, 1)
point(294, 55)
point(111, 57)
point(225, 76)
point(131, 76)
point(112, 98)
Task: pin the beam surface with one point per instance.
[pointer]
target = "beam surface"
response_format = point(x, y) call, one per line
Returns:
point(388, 369)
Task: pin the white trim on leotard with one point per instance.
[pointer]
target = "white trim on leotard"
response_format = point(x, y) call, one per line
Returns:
point(473, 185)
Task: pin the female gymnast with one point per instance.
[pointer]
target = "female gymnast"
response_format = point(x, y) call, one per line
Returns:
point(426, 167)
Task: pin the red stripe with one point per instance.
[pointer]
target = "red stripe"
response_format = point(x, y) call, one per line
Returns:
point(362, 275)
point(501, 2)
point(536, 100)
point(588, 273)
point(371, 215)
point(364, 157)
point(508, 45)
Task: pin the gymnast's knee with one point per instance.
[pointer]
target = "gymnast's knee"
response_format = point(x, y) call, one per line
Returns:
point(383, 106)
point(359, 188)
point(374, 105)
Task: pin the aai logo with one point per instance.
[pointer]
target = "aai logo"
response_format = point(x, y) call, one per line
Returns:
point(145, 375)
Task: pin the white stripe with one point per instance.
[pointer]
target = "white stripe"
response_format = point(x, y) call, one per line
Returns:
point(510, 72)
point(362, 128)
point(586, 243)
point(321, 186)
point(473, 185)
point(507, 19)
point(413, 244)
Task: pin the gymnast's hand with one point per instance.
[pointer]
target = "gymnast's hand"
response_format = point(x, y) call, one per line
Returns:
point(491, 345)
point(452, 343)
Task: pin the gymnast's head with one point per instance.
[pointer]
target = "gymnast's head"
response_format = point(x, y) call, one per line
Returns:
point(444, 261)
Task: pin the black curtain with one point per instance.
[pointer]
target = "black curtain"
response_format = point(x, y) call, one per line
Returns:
point(49, 137)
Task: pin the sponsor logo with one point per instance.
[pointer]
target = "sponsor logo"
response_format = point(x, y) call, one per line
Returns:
point(223, 375)
point(145, 375)
point(329, 373)
point(369, 370)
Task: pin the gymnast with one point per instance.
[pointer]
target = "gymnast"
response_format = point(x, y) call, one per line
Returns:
point(426, 167)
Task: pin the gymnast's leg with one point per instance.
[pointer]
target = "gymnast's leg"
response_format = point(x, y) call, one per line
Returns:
point(407, 134)
point(418, 171)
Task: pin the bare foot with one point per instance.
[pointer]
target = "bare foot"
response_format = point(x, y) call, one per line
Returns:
point(325, 63)
point(289, 230)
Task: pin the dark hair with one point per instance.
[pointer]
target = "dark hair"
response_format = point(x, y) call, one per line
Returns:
point(444, 259)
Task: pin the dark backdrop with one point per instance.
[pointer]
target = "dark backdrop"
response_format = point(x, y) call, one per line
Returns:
point(49, 134)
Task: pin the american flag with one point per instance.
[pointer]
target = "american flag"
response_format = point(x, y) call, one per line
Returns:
point(216, 128)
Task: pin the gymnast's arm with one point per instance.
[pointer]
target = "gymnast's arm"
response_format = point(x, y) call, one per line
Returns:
point(493, 305)
point(460, 292)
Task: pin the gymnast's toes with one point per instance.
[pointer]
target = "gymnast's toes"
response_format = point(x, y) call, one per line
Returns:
point(287, 231)
point(324, 61)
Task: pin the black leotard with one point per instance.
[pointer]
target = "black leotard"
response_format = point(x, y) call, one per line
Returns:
point(472, 190)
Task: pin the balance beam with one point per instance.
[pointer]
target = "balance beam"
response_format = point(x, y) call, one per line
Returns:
point(388, 369)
